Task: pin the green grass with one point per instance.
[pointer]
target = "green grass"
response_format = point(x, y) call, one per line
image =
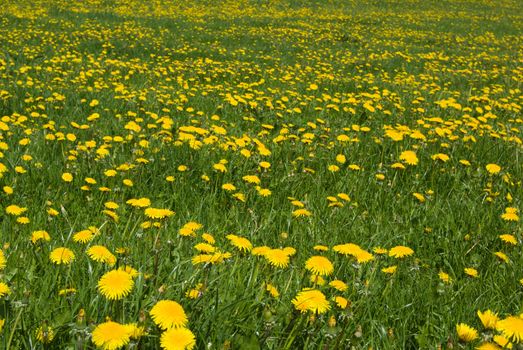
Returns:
point(166, 67)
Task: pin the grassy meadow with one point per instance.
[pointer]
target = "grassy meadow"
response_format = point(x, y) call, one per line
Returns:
point(261, 174)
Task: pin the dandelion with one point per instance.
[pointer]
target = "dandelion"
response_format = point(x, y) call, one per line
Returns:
point(40, 235)
point(67, 177)
point(319, 265)
point(493, 169)
point(155, 213)
point(3, 261)
point(260, 250)
point(62, 255)
point(472, 272)
point(488, 318)
point(419, 197)
point(112, 335)
point(101, 254)
point(502, 341)
point(228, 187)
point(115, 284)
point(277, 257)
point(242, 243)
point(253, 179)
point(409, 157)
point(207, 237)
point(339, 285)
point(301, 213)
point(341, 302)
point(443, 276)
point(83, 236)
point(502, 256)
point(389, 270)
point(311, 300)
point(15, 210)
point(4, 290)
point(440, 156)
point(512, 328)
point(466, 333)
point(273, 291)
point(510, 214)
point(140, 202)
point(510, 239)
point(361, 255)
point(189, 229)
point(168, 314)
point(400, 252)
point(44, 334)
point(177, 339)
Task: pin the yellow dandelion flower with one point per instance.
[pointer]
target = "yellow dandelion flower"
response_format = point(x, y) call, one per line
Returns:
point(22, 220)
point(361, 255)
point(400, 252)
point(3, 261)
point(398, 166)
point(205, 247)
point(502, 256)
point(339, 285)
point(140, 202)
point(15, 210)
point(421, 198)
point(101, 254)
point(242, 243)
point(488, 318)
point(317, 280)
point(207, 237)
point(510, 214)
point(273, 291)
point(380, 250)
point(466, 333)
point(493, 168)
point(311, 300)
point(4, 290)
point(115, 284)
point(112, 335)
point(44, 334)
point(298, 213)
point(409, 157)
point(67, 177)
point(389, 270)
point(510, 239)
point(228, 187)
point(472, 272)
point(62, 255)
point(111, 205)
point(168, 314)
point(260, 250)
point(512, 328)
point(253, 179)
point(319, 265)
point(341, 302)
point(83, 236)
point(177, 339)
point(444, 277)
point(502, 341)
point(155, 213)
point(277, 257)
point(40, 235)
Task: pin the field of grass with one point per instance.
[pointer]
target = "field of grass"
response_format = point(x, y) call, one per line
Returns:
point(261, 174)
